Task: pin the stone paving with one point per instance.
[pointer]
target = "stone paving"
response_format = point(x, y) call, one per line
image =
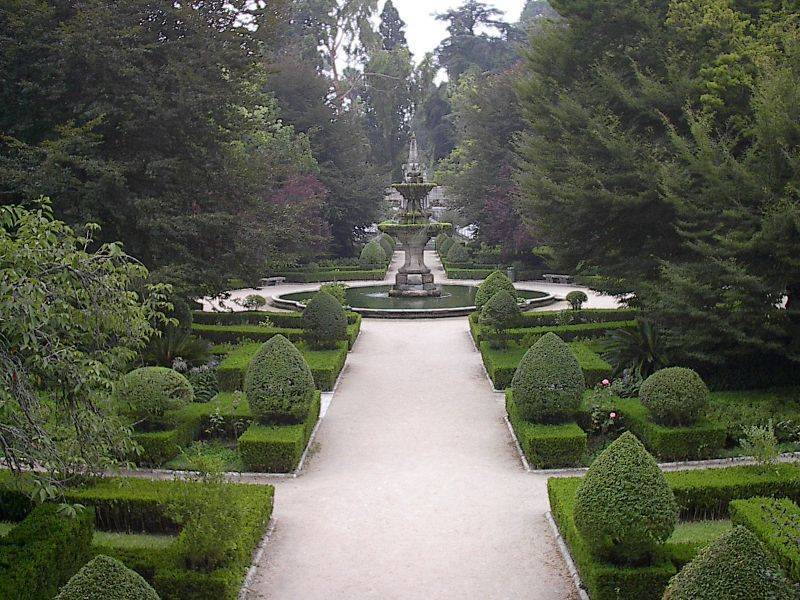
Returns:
point(414, 488)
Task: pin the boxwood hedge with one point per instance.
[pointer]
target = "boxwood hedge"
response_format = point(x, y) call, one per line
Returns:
point(105, 578)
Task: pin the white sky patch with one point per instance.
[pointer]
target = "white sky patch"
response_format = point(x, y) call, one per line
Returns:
point(425, 33)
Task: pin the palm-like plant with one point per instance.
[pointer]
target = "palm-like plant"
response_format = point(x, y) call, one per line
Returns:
point(640, 350)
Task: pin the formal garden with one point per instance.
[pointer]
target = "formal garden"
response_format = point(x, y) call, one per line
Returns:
point(300, 301)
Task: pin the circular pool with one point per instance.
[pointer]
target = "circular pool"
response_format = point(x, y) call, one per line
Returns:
point(374, 301)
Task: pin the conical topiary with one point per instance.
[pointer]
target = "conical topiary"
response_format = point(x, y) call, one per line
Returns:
point(548, 383)
point(500, 313)
point(372, 255)
point(440, 240)
point(735, 566)
point(675, 396)
point(324, 321)
point(105, 578)
point(445, 247)
point(387, 243)
point(495, 282)
point(279, 384)
point(624, 507)
point(457, 254)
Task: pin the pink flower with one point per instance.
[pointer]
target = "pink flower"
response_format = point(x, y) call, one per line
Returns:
point(606, 383)
point(613, 415)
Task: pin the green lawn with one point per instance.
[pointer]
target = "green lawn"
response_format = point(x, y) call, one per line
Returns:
point(226, 457)
point(132, 540)
point(693, 532)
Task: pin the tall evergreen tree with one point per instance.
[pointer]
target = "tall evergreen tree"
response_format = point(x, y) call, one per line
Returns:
point(392, 28)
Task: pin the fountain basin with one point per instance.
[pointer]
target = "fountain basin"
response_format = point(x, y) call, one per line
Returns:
point(375, 301)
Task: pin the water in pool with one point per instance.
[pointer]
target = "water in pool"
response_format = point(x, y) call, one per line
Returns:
point(377, 297)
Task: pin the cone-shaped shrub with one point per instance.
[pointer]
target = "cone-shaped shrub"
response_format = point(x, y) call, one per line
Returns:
point(446, 245)
point(387, 243)
point(105, 578)
point(734, 567)
point(372, 255)
point(624, 507)
point(147, 394)
point(501, 312)
point(457, 254)
point(675, 396)
point(324, 321)
point(278, 384)
point(440, 240)
point(548, 383)
point(494, 283)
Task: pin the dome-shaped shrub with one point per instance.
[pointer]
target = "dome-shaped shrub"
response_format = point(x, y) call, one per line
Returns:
point(105, 578)
point(457, 254)
point(501, 312)
point(324, 321)
point(624, 506)
point(147, 394)
point(675, 396)
point(548, 383)
point(494, 283)
point(576, 299)
point(440, 240)
point(372, 255)
point(278, 384)
point(445, 247)
point(733, 567)
point(387, 243)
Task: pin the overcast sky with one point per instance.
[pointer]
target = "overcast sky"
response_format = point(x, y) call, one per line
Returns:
point(424, 32)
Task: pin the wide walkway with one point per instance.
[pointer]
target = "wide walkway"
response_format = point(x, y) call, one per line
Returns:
point(413, 488)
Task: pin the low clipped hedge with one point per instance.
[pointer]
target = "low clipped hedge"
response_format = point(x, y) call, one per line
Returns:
point(547, 446)
point(288, 320)
point(565, 318)
point(776, 523)
point(501, 363)
point(702, 440)
point(40, 554)
point(278, 449)
point(139, 505)
point(701, 494)
point(335, 275)
point(325, 366)
point(158, 447)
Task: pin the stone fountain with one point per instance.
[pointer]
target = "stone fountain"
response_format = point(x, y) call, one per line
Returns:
point(413, 229)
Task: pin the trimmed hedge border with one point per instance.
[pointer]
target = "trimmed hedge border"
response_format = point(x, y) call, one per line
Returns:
point(40, 554)
point(326, 365)
point(139, 505)
point(334, 275)
point(547, 446)
point(235, 333)
point(776, 522)
point(502, 364)
point(278, 449)
point(703, 493)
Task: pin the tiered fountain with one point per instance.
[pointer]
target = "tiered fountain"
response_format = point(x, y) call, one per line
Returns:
point(413, 230)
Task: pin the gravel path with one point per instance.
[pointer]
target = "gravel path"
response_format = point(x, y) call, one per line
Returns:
point(414, 488)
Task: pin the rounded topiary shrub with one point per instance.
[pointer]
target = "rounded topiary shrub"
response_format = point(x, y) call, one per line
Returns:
point(147, 394)
point(445, 247)
point(457, 254)
point(278, 383)
point(624, 507)
point(386, 243)
point(105, 578)
point(494, 283)
point(577, 299)
point(733, 567)
point(548, 383)
point(372, 255)
point(675, 396)
point(501, 312)
point(324, 321)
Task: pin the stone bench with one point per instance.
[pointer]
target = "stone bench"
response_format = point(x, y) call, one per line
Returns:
point(554, 278)
point(272, 281)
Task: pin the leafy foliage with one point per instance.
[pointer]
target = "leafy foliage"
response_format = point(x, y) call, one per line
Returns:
point(675, 396)
point(71, 320)
point(457, 254)
point(624, 507)
point(639, 351)
point(105, 578)
point(324, 321)
point(278, 384)
point(337, 290)
point(548, 383)
point(577, 299)
point(736, 567)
